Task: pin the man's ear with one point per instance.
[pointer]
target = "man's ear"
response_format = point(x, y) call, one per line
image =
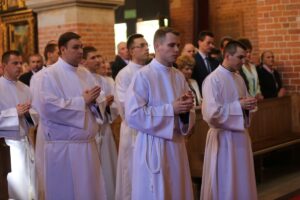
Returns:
point(156, 45)
point(62, 49)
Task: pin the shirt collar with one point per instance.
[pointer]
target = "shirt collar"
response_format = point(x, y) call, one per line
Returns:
point(64, 64)
point(202, 55)
point(9, 81)
point(160, 66)
point(268, 68)
point(135, 65)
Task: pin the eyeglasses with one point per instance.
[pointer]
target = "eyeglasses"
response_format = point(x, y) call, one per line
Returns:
point(143, 45)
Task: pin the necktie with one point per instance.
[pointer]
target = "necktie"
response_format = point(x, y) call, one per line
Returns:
point(207, 65)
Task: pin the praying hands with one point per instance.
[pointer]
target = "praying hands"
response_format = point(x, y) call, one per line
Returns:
point(184, 103)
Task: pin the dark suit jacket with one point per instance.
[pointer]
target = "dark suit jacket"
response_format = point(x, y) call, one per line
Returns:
point(117, 65)
point(270, 84)
point(25, 78)
point(200, 71)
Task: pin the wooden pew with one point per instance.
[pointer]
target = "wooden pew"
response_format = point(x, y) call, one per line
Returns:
point(275, 125)
point(4, 168)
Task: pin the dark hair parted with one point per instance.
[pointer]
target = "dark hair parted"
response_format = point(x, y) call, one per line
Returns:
point(246, 42)
point(66, 37)
point(161, 33)
point(231, 47)
point(7, 54)
point(49, 48)
point(131, 39)
point(203, 34)
point(87, 50)
point(34, 55)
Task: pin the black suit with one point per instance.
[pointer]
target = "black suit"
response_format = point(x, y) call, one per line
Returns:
point(117, 65)
point(26, 77)
point(270, 84)
point(200, 71)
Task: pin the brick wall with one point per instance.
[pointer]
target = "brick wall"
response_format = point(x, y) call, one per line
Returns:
point(181, 16)
point(278, 30)
point(269, 24)
point(235, 18)
point(97, 35)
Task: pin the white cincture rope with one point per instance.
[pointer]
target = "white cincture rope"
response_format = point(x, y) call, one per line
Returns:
point(149, 149)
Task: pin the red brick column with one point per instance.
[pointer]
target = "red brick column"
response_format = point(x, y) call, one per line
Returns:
point(93, 20)
point(182, 18)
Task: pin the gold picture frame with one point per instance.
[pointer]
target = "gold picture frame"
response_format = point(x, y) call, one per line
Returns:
point(19, 32)
point(10, 5)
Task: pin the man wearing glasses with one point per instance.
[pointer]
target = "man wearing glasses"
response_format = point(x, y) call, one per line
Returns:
point(139, 52)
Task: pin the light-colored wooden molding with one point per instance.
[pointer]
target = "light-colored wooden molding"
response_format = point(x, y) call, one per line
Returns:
point(45, 5)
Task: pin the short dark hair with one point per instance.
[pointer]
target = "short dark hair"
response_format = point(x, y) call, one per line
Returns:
point(7, 54)
point(49, 48)
point(34, 55)
point(161, 33)
point(87, 50)
point(224, 39)
point(131, 39)
point(203, 34)
point(66, 37)
point(246, 42)
point(232, 46)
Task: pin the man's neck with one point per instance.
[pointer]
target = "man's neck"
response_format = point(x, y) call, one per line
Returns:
point(139, 62)
point(161, 61)
point(73, 65)
point(9, 78)
point(202, 53)
point(227, 66)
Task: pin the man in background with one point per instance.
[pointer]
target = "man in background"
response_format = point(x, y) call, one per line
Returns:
point(204, 64)
point(121, 60)
point(35, 63)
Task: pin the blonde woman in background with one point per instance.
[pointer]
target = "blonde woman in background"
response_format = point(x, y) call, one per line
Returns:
point(186, 65)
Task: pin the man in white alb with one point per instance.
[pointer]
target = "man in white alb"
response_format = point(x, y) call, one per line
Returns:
point(228, 171)
point(15, 122)
point(69, 118)
point(139, 52)
point(159, 106)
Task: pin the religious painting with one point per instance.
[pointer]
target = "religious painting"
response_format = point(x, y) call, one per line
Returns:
point(19, 32)
point(11, 5)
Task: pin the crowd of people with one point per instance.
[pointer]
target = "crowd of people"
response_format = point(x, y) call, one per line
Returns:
point(71, 99)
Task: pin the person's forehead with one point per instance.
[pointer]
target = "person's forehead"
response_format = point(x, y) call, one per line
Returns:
point(14, 57)
point(35, 57)
point(268, 54)
point(74, 42)
point(93, 53)
point(208, 38)
point(189, 47)
point(139, 40)
point(171, 37)
point(122, 45)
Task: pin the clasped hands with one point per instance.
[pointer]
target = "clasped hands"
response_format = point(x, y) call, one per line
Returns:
point(248, 103)
point(91, 95)
point(184, 103)
point(23, 108)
